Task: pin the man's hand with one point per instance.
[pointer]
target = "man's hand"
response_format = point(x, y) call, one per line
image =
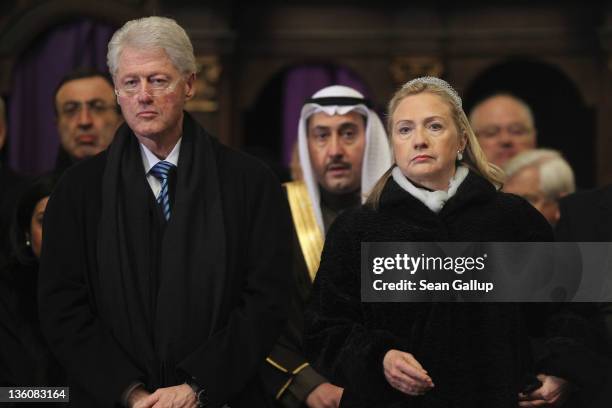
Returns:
point(137, 397)
point(553, 393)
point(325, 395)
point(179, 396)
point(405, 373)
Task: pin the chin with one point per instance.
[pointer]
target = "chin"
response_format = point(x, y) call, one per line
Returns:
point(342, 188)
point(146, 131)
point(85, 153)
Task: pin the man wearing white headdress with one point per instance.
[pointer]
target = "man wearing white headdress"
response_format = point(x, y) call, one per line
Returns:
point(343, 150)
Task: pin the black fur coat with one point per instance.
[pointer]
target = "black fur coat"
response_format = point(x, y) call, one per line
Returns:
point(476, 354)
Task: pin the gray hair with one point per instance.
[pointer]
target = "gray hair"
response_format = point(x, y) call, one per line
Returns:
point(556, 175)
point(151, 33)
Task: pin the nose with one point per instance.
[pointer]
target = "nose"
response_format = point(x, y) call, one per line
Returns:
point(335, 149)
point(85, 119)
point(505, 138)
point(420, 140)
point(143, 94)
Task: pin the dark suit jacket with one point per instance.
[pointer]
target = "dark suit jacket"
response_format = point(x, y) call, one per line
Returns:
point(586, 217)
point(11, 185)
point(282, 387)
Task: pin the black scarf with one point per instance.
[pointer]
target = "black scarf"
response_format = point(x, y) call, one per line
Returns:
point(161, 288)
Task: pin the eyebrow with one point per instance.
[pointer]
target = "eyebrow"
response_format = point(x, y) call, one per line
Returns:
point(347, 126)
point(79, 101)
point(427, 119)
point(340, 126)
point(146, 76)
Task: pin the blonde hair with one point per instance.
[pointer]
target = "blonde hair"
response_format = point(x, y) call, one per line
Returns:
point(473, 156)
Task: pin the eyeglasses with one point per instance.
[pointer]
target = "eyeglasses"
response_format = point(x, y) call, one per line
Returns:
point(95, 107)
point(513, 130)
point(152, 86)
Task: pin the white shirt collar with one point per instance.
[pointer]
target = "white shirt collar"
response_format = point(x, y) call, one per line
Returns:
point(149, 159)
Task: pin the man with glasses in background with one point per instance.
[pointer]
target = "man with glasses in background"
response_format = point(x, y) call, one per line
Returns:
point(87, 116)
point(504, 126)
point(164, 264)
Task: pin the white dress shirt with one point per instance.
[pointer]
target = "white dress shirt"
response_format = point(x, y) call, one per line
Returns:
point(149, 160)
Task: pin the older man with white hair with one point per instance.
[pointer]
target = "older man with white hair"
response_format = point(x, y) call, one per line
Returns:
point(163, 270)
point(343, 150)
point(542, 177)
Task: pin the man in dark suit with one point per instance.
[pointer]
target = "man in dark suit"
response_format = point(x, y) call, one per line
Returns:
point(165, 258)
point(10, 187)
point(587, 217)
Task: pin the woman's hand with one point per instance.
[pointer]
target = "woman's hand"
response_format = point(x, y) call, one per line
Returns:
point(179, 396)
point(405, 373)
point(552, 393)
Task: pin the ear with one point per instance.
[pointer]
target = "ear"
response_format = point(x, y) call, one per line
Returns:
point(535, 138)
point(190, 86)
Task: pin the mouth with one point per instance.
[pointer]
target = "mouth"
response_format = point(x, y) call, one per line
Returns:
point(338, 169)
point(146, 114)
point(421, 158)
point(86, 139)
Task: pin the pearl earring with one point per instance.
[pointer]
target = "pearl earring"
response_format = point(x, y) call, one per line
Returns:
point(28, 242)
point(459, 155)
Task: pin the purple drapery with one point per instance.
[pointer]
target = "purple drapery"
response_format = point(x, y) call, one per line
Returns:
point(300, 84)
point(33, 141)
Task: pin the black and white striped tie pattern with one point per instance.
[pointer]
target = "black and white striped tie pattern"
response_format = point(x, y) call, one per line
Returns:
point(161, 171)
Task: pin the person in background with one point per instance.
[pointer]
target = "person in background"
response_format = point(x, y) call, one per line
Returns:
point(87, 115)
point(542, 177)
point(504, 127)
point(25, 358)
point(343, 149)
point(11, 185)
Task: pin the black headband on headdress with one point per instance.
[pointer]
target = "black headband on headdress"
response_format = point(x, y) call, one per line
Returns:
point(339, 100)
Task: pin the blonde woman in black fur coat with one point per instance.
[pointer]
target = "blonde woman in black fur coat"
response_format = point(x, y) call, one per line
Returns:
point(431, 355)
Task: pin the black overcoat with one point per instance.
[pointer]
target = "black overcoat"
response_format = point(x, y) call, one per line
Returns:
point(249, 292)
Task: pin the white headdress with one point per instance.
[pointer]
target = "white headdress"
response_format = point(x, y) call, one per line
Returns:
point(340, 100)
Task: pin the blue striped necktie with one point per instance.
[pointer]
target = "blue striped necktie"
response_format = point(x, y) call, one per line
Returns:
point(161, 171)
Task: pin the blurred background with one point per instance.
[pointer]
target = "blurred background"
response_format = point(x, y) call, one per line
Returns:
point(260, 60)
